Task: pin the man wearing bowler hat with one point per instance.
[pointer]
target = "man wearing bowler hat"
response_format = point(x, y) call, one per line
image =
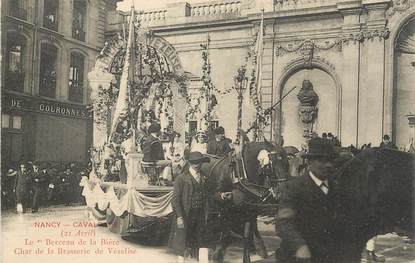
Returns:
point(307, 222)
point(219, 145)
point(189, 208)
point(40, 179)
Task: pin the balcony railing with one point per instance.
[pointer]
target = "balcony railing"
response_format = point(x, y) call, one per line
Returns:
point(20, 13)
point(47, 85)
point(50, 22)
point(78, 34)
point(15, 80)
point(75, 91)
point(216, 8)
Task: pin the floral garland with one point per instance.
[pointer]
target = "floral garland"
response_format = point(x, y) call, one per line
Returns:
point(205, 91)
point(151, 69)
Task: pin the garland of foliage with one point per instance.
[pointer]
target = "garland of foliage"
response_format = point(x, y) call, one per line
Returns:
point(151, 69)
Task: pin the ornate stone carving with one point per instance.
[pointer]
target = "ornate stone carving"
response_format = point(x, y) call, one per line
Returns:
point(307, 48)
point(379, 34)
point(398, 6)
point(307, 109)
point(363, 35)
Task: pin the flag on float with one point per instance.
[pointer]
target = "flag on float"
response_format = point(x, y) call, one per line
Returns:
point(259, 50)
point(121, 107)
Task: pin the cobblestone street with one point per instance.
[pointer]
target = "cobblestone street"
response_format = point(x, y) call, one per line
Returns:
point(48, 230)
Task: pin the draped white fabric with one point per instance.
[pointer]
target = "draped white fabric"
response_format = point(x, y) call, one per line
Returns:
point(132, 201)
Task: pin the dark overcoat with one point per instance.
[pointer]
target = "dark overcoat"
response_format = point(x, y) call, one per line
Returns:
point(181, 204)
point(22, 187)
point(309, 217)
point(152, 149)
point(219, 148)
point(40, 182)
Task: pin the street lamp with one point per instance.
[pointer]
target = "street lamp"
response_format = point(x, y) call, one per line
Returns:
point(240, 86)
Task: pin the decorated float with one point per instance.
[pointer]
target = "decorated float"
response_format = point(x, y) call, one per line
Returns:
point(137, 80)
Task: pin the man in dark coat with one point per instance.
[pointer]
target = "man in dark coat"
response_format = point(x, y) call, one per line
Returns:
point(39, 185)
point(387, 143)
point(189, 204)
point(152, 148)
point(219, 145)
point(307, 219)
point(22, 187)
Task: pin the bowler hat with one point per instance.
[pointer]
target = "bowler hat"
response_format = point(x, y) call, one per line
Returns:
point(154, 127)
point(318, 147)
point(11, 172)
point(197, 157)
point(220, 130)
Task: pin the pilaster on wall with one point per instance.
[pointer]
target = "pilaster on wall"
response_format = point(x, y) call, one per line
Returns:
point(372, 89)
point(351, 73)
point(266, 82)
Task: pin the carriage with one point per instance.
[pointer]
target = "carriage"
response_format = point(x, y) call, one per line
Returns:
point(138, 207)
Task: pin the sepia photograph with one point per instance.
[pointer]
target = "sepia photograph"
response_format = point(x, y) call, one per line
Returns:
point(211, 131)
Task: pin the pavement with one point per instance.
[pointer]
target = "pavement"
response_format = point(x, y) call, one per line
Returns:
point(65, 234)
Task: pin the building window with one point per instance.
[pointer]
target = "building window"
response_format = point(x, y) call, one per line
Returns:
point(15, 74)
point(193, 124)
point(192, 129)
point(76, 77)
point(18, 9)
point(5, 121)
point(78, 22)
point(50, 14)
point(11, 121)
point(47, 77)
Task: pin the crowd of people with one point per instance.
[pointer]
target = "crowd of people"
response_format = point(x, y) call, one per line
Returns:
point(32, 185)
point(304, 221)
point(169, 159)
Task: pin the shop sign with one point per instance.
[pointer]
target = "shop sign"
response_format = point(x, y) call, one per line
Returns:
point(21, 103)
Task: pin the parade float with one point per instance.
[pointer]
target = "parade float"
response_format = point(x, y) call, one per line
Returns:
point(138, 79)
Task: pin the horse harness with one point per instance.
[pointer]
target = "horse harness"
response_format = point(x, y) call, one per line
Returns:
point(261, 194)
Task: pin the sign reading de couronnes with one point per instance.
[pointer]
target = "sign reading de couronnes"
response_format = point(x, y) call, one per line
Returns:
point(15, 102)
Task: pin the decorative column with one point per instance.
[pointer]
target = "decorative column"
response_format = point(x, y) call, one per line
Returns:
point(241, 82)
point(350, 75)
point(372, 88)
point(307, 109)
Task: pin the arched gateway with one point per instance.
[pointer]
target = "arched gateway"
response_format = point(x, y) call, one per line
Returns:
point(127, 92)
point(154, 64)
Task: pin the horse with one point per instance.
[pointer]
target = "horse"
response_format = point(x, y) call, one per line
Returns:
point(377, 193)
point(252, 177)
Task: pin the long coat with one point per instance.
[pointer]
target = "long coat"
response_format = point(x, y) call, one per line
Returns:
point(22, 187)
point(40, 181)
point(181, 204)
point(309, 217)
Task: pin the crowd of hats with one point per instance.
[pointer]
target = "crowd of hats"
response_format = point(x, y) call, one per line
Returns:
point(51, 167)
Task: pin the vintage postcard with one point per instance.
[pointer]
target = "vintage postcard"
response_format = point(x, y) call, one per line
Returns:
point(207, 131)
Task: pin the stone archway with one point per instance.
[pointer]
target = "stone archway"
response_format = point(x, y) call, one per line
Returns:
point(403, 82)
point(326, 84)
point(112, 55)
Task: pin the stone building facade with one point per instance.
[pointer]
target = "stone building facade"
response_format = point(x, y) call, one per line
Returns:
point(359, 56)
point(48, 48)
